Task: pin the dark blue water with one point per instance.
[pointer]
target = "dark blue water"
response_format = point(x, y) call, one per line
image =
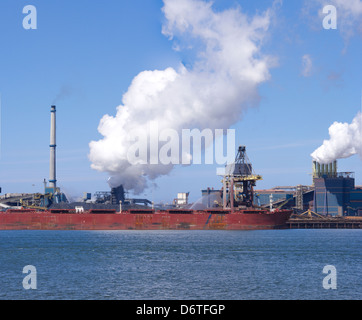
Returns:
point(216, 265)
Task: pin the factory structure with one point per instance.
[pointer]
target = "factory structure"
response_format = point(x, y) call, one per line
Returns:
point(54, 198)
point(331, 193)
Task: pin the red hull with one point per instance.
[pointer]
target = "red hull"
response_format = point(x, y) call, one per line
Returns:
point(144, 220)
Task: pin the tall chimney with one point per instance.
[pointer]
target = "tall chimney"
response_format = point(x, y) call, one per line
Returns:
point(52, 168)
point(315, 172)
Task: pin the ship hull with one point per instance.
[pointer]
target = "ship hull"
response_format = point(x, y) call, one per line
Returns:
point(164, 220)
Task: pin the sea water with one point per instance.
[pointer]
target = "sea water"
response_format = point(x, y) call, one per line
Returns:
point(182, 265)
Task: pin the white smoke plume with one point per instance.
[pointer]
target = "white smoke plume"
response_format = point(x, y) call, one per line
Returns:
point(345, 141)
point(213, 93)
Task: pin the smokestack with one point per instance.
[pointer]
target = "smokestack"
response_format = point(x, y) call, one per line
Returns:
point(330, 169)
point(320, 169)
point(52, 164)
point(315, 170)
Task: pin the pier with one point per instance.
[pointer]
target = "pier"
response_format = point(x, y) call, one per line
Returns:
point(320, 222)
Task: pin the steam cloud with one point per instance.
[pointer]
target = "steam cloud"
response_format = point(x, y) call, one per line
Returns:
point(345, 141)
point(222, 82)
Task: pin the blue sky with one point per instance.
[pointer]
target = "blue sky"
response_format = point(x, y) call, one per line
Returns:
point(87, 53)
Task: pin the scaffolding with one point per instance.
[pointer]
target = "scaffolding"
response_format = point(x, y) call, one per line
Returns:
point(239, 181)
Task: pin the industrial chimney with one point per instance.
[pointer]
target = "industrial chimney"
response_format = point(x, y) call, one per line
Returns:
point(52, 164)
point(327, 170)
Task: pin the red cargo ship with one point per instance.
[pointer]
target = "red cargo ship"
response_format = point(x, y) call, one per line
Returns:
point(234, 211)
point(143, 219)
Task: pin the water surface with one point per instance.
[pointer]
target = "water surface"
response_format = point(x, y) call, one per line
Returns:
point(216, 265)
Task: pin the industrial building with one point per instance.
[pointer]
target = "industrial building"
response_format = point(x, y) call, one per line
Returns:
point(332, 193)
point(335, 193)
point(53, 198)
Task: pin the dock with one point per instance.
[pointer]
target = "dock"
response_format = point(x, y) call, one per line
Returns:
point(307, 222)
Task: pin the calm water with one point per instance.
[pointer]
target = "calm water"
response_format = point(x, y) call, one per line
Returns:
point(216, 265)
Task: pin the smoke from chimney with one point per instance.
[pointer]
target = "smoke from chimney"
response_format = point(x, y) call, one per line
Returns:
point(345, 141)
point(212, 92)
point(65, 91)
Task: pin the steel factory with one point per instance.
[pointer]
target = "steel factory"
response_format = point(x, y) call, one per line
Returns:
point(331, 193)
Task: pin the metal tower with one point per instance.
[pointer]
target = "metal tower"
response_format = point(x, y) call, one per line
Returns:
point(52, 162)
point(239, 181)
